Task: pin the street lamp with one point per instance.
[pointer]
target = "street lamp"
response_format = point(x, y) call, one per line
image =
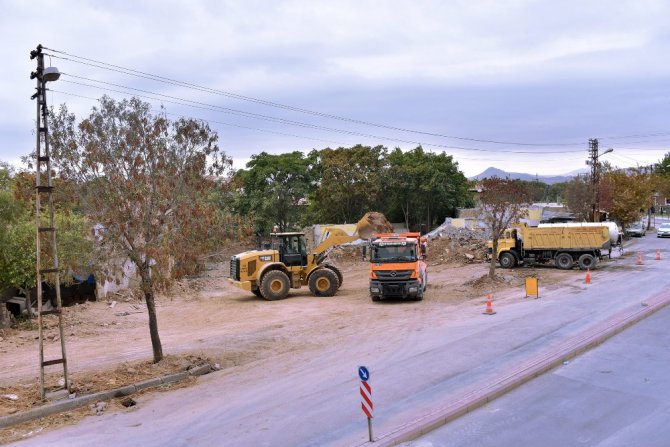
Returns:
point(50, 74)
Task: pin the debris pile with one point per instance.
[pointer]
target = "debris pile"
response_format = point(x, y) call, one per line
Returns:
point(451, 244)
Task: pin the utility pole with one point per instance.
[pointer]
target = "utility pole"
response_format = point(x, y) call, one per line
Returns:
point(595, 175)
point(45, 240)
point(595, 178)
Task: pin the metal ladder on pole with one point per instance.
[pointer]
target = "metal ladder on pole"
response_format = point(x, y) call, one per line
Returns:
point(46, 249)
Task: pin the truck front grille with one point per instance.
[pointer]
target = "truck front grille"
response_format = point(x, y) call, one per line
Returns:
point(235, 268)
point(393, 275)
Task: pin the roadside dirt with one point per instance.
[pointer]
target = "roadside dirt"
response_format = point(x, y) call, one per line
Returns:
point(206, 320)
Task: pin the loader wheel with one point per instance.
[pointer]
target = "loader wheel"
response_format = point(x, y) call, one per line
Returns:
point(507, 260)
point(564, 261)
point(586, 261)
point(323, 282)
point(257, 292)
point(275, 285)
point(340, 278)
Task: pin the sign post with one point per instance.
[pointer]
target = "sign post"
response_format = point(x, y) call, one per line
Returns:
point(366, 397)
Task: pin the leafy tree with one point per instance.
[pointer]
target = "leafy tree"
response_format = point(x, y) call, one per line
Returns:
point(351, 183)
point(274, 189)
point(17, 236)
point(630, 192)
point(424, 186)
point(503, 202)
point(142, 177)
point(662, 168)
point(578, 197)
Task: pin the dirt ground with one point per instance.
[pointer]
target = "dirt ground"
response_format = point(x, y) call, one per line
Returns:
point(206, 320)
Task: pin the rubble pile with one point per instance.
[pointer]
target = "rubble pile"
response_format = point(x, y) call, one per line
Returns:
point(451, 244)
point(346, 254)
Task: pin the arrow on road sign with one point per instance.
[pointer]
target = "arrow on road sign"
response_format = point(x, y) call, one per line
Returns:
point(363, 373)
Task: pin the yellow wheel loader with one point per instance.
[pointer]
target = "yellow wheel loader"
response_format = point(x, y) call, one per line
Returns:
point(270, 273)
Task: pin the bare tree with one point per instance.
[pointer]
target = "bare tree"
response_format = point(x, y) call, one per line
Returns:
point(503, 202)
point(142, 178)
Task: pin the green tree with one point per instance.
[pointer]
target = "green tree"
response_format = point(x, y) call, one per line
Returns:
point(578, 197)
point(350, 183)
point(662, 168)
point(17, 236)
point(274, 189)
point(142, 177)
point(503, 203)
point(424, 186)
point(631, 191)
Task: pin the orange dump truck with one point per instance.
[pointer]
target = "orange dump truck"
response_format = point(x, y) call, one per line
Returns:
point(397, 266)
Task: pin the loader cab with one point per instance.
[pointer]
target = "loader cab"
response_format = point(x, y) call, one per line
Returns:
point(291, 248)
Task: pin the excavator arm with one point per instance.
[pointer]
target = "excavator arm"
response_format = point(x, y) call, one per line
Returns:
point(371, 223)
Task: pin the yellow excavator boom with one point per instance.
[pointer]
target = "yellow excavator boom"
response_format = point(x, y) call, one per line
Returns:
point(372, 222)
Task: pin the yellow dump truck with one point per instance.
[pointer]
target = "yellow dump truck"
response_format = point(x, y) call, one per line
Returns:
point(564, 245)
point(286, 264)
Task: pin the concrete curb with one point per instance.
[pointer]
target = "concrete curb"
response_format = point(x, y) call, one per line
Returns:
point(71, 404)
point(478, 395)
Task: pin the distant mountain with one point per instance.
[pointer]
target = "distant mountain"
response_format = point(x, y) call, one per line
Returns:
point(549, 179)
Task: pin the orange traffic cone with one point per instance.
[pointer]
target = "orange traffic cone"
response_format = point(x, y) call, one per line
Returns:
point(588, 276)
point(489, 306)
point(639, 258)
point(658, 254)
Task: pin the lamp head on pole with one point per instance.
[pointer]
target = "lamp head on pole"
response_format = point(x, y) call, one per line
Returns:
point(50, 74)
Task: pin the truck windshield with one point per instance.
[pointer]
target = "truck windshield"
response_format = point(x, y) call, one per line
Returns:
point(393, 253)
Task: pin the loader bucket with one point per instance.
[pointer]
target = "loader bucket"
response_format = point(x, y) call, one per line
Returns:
point(373, 222)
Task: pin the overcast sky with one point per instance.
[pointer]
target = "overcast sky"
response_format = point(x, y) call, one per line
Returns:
point(548, 74)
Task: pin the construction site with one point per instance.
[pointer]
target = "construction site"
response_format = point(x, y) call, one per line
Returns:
point(205, 320)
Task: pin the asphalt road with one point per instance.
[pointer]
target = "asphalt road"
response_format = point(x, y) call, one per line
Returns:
point(315, 401)
point(617, 394)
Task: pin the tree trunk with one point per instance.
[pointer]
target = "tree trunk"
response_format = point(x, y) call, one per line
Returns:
point(405, 212)
point(147, 287)
point(4, 316)
point(494, 258)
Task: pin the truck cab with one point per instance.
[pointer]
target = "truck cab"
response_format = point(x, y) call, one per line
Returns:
point(397, 266)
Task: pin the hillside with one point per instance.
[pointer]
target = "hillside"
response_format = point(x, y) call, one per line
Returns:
point(495, 172)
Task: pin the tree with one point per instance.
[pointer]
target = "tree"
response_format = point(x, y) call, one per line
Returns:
point(351, 183)
point(275, 188)
point(17, 235)
point(142, 178)
point(424, 186)
point(630, 192)
point(662, 168)
point(578, 197)
point(503, 203)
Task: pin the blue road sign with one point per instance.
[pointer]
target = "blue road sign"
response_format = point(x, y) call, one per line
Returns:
point(363, 373)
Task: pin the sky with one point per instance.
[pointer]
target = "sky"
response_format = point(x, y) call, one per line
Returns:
point(521, 85)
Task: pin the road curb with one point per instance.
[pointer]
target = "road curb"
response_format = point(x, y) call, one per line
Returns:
point(478, 395)
point(77, 402)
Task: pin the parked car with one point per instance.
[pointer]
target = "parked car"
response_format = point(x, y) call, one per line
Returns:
point(663, 230)
point(636, 230)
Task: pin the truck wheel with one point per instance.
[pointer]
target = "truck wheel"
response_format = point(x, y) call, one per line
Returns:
point(586, 261)
point(564, 261)
point(323, 282)
point(275, 285)
point(340, 278)
point(507, 260)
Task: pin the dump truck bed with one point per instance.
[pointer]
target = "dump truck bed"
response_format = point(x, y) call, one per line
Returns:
point(570, 238)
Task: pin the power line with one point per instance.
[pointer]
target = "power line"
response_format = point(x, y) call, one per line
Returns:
point(166, 80)
point(303, 137)
point(228, 110)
